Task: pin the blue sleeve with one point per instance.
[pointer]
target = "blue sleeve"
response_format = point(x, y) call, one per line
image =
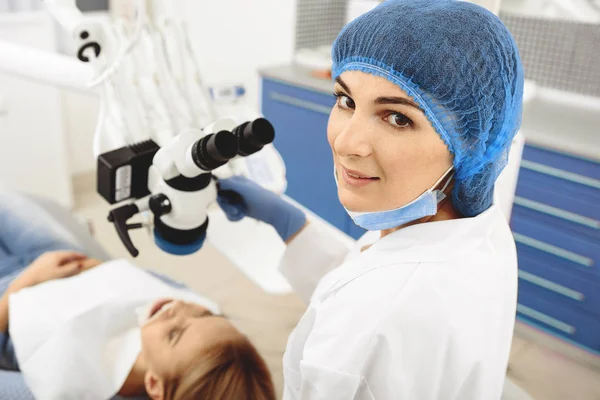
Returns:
point(8, 358)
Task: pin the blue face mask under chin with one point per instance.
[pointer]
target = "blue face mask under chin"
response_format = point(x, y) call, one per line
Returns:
point(423, 206)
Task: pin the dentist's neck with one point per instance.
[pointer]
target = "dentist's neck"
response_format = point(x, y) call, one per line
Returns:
point(446, 211)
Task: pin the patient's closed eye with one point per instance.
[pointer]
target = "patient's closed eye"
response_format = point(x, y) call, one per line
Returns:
point(204, 313)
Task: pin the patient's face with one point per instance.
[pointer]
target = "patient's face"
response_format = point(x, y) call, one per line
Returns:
point(175, 337)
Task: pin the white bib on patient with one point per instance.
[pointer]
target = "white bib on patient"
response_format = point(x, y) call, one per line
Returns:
point(78, 338)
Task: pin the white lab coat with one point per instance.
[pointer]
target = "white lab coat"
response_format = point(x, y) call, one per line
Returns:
point(426, 313)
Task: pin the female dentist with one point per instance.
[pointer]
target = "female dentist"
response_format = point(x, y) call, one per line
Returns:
point(429, 97)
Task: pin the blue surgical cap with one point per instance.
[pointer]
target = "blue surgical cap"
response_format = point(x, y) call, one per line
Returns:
point(461, 65)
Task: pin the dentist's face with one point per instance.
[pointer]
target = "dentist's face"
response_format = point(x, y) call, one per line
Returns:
point(385, 150)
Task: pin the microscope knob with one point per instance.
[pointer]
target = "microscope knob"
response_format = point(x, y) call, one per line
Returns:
point(160, 204)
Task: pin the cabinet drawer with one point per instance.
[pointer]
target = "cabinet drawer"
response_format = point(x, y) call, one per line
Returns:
point(558, 284)
point(564, 162)
point(560, 193)
point(537, 234)
point(571, 236)
point(561, 220)
point(549, 256)
point(300, 119)
point(574, 325)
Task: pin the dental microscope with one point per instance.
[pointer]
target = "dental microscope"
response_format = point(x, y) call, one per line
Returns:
point(175, 182)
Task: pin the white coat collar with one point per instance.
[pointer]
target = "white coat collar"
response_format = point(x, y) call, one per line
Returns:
point(431, 242)
point(437, 241)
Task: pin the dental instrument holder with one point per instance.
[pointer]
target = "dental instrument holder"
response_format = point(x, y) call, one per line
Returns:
point(88, 34)
point(180, 185)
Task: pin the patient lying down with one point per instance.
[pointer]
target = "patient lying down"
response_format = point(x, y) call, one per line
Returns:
point(82, 329)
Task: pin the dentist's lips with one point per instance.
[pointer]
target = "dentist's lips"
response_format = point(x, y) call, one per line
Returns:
point(356, 178)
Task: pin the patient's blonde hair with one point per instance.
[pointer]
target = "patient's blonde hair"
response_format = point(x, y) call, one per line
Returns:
point(230, 370)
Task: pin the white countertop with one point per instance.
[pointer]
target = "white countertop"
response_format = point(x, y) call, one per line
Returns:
point(298, 76)
point(570, 126)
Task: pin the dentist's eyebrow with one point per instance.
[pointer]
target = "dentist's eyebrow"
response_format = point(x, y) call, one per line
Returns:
point(343, 85)
point(397, 100)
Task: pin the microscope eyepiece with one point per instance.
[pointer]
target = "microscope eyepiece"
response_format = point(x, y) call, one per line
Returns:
point(253, 136)
point(215, 150)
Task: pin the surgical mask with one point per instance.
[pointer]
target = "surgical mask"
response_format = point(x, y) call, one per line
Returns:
point(423, 206)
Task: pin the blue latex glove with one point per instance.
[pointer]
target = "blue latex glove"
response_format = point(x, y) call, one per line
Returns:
point(240, 197)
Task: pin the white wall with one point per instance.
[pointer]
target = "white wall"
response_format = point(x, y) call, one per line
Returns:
point(574, 10)
point(80, 115)
point(232, 38)
point(33, 142)
point(492, 5)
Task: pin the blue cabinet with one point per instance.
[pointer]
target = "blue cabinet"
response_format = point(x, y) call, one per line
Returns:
point(556, 223)
point(300, 119)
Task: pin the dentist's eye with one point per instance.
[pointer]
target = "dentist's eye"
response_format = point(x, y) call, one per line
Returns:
point(398, 120)
point(344, 102)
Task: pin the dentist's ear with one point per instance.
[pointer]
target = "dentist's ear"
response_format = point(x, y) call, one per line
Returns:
point(155, 386)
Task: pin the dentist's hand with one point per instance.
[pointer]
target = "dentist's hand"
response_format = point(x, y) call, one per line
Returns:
point(240, 197)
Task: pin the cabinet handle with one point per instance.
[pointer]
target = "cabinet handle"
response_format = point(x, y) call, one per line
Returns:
point(559, 173)
point(557, 212)
point(294, 101)
point(554, 250)
point(555, 287)
point(546, 319)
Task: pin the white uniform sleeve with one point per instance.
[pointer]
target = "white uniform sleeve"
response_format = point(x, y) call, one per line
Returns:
point(309, 256)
